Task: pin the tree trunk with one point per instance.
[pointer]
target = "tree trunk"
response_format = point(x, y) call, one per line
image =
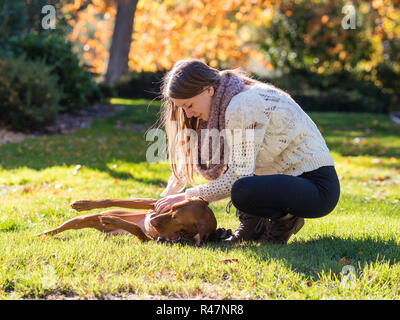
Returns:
point(121, 40)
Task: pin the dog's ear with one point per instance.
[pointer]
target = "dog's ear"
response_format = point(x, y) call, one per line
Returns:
point(180, 204)
point(189, 202)
point(201, 199)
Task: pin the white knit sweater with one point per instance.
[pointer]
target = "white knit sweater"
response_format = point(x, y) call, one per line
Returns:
point(286, 141)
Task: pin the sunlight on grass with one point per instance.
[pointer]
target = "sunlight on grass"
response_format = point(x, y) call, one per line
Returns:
point(39, 178)
point(131, 102)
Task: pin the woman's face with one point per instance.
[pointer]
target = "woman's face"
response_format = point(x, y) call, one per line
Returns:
point(198, 106)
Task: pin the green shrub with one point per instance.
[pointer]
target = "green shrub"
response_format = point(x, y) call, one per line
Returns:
point(29, 94)
point(390, 79)
point(105, 90)
point(312, 91)
point(77, 83)
point(142, 85)
point(22, 17)
point(335, 92)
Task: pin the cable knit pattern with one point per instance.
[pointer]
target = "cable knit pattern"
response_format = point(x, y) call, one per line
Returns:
point(285, 141)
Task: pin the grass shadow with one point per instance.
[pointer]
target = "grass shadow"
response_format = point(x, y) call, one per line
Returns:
point(323, 254)
point(105, 142)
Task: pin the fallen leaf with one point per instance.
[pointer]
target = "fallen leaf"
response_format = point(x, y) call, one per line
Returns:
point(379, 178)
point(229, 260)
point(27, 190)
point(344, 261)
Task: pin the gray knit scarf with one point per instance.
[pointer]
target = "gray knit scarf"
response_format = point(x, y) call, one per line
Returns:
point(229, 86)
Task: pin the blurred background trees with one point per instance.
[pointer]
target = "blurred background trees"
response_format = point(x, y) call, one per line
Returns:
point(300, 46)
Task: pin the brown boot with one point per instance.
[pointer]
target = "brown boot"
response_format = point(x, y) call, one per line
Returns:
point(250, 228)
point(280, 230)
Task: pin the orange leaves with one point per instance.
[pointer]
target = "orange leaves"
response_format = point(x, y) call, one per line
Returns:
point(27, 189)
point(96, 51)
point(165, 32)
point(343, 55)
point(379, 178)
point(92, 42)
point(213, 63)
point(376, 4)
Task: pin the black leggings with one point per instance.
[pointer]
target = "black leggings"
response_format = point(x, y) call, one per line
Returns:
point(312, 194)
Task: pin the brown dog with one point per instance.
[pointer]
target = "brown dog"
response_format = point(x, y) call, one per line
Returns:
point(191, 219)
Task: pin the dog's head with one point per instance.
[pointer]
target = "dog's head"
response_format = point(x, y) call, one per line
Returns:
point(191, 219)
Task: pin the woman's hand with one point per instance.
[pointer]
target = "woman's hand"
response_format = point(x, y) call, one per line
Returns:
point(164, 204)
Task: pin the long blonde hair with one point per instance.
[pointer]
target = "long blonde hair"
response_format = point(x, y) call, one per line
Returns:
point(185, 80)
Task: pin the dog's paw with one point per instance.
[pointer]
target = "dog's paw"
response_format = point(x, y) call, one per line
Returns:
point(82, 205)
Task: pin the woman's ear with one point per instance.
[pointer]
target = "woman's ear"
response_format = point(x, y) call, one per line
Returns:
point(210, 90)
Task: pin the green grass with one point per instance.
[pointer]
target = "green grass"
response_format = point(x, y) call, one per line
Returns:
point(37, 183)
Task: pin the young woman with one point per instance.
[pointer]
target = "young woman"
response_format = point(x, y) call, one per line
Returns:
point(280, 175)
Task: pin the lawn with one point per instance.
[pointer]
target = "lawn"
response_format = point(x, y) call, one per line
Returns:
point(39, 177)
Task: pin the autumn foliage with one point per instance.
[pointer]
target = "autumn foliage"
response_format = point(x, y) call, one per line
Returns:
point(165, 31)
point(230, 33)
